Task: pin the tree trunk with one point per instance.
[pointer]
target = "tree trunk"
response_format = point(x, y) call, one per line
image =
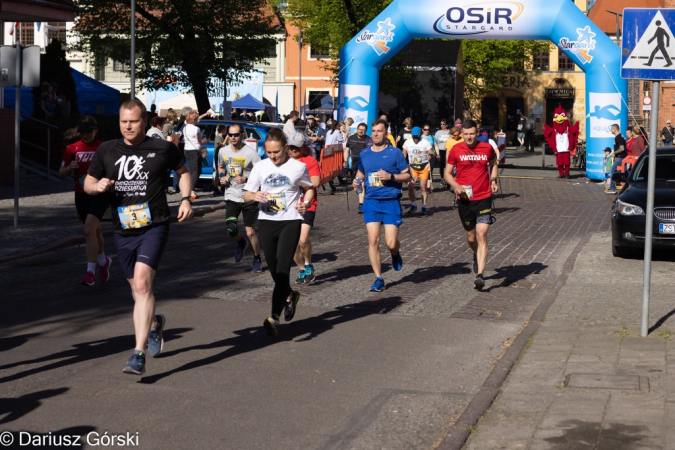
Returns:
point(197, 77)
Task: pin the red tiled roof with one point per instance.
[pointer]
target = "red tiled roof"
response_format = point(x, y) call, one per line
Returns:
point(607, 21)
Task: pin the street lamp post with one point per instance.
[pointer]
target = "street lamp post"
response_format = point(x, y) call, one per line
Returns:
point(133, 49)
point(300, 72)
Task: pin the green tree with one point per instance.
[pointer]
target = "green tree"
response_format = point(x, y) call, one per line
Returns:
point(329, 24)
point(55, 69)
point(486, 62)
point(180, 42)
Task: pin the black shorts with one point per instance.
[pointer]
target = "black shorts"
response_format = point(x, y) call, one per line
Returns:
point(249, 212)
point(473, 212)
point(146, 248)
point(308, 218)
point(86, 204)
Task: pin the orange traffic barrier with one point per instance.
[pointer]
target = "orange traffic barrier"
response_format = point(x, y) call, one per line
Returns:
point(331, 163)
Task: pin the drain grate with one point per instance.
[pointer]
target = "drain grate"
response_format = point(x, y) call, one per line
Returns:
point(605, 381)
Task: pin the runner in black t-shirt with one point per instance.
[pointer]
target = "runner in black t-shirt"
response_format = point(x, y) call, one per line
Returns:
point(132, 170)
point(356, 143)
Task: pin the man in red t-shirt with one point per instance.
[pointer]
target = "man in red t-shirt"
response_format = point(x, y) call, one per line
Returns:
point(90, 209)
point(303, 254)
point(474, 184)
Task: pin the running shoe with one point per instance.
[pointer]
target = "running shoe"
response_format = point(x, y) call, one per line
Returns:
point(610, 191)
point(88, 278)
point(155, 339)
point(360, 210)
point(397, 261)
point(475, 264)
point(289, 309)
point(257, 266)
point(136, 364)
point(378, 286)
point(271, 324)
point(413, 209)
point(104, 271)
point(309, 274)
point(479, 282)
point(301, 277)
point(239, 252)
point(423, 211)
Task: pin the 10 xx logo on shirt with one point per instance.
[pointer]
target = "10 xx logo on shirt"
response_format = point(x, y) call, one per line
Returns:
point(131, 178)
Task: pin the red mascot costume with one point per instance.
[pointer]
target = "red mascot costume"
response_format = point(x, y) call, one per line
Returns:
point(562, 138)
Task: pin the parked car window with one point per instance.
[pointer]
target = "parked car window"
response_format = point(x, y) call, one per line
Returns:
point(252, 133)
point(665, 168)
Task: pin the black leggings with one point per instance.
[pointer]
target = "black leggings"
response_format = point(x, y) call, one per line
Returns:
point(279, 239)
point(193, 162)
point(442, 160)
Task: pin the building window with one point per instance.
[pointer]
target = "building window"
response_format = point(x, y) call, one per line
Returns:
point(315, 99)
point(119, 66)
point(99, 72)
point(540, 61)
point(318, 53)
point(59, 33)
point(565, 63)
point(27, 33)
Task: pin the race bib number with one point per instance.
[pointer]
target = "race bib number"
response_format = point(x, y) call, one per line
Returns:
point(134, 216)
point(443, 139)
point(468, 192)
point(234, 170)
point(417, 159)
point(274, 203)
point(374, 180)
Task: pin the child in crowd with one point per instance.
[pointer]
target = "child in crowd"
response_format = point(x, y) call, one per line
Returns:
point(607, 162)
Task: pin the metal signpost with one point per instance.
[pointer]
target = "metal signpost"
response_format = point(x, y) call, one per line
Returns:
point(647, 50)
point(19, 66)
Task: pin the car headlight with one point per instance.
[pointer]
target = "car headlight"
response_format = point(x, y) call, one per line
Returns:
point(626, 209)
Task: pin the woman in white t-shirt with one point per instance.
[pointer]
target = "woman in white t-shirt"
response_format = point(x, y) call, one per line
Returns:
point(334, 135)
point(193, 143)
point(278, 184)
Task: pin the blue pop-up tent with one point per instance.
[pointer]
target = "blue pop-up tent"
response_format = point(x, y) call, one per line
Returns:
point(93, 97)
point(249, 102)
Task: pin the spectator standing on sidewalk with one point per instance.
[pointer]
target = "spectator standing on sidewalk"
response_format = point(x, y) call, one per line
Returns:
point(235, 163)
point(619, 154)
point(529, 133)
point(474, 184)
point(639, 144)
point(667, 134)
point(442, 136)
point(90, 209)
point(522, 121)
point(289, 126)
point(193, 144)
point(132, 171)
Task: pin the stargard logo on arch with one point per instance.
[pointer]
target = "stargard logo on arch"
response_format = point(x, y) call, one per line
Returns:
point(479, 18)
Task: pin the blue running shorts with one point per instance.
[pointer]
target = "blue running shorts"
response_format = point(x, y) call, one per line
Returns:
point(387, 212)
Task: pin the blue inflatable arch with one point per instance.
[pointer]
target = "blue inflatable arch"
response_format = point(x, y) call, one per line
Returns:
point(557, 20)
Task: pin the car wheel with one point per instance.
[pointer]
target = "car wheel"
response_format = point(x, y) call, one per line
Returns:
point(620, 252)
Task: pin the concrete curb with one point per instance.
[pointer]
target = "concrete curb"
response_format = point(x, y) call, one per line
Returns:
point(459, 432)
point(71, 241)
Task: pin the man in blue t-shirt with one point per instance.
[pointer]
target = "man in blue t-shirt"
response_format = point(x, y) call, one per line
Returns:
point(382, 168)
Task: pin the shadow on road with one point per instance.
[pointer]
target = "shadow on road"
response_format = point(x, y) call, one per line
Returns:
point(255, 338)
point(9, 343)
point(15, 408)
point(513, 274)
point(86, 351)
point(423, 274)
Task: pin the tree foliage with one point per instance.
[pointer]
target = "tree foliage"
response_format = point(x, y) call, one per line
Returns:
point(179, 42)
point(486, 63)
point(329, 24)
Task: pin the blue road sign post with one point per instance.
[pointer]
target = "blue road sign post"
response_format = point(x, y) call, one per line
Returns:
point(647, 53)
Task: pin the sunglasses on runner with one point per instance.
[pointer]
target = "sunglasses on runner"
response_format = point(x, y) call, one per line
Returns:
point(234, 134)
point(425, 129)
point(294, 148)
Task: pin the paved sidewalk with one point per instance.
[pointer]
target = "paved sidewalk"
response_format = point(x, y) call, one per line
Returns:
point(586, 379)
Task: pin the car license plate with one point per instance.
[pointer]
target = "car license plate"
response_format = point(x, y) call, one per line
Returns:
point(667, 228)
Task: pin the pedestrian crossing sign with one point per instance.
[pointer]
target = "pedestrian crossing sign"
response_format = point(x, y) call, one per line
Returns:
point(648, 44)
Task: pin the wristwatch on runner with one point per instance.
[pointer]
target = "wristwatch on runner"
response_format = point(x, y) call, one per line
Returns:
point(189, 199)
